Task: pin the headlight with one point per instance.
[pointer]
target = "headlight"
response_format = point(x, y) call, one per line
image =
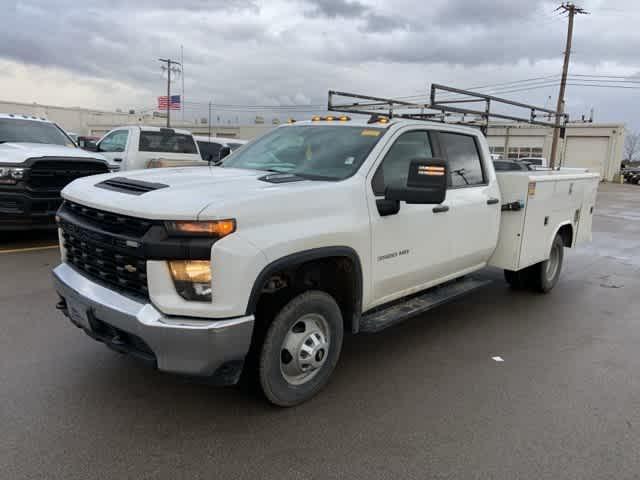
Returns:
point(11, 175)
point(215, 228)
point(192, 279)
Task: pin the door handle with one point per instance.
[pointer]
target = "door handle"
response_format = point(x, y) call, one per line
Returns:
point(117, 159)
point(441, 209)
point(493, 201)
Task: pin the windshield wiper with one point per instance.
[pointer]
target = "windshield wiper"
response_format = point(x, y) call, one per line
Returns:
point(312, 176)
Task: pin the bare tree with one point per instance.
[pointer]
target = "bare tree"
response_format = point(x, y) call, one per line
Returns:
point(632, 147)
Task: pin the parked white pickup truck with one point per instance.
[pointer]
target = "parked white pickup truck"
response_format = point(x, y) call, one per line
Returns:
point(139, 147)
point(312, 231)
point(37, 159)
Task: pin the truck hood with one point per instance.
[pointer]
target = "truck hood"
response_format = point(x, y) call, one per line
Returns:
point(188, 192)
point(16, 153)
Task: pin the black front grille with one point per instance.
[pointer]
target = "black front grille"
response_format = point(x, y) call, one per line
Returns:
point(106, 247)
point(111, 222)
point(10, 205)
point(47, 207)
point(50, 174)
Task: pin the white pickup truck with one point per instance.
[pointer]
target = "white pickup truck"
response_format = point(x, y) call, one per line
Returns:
point(312, 231)
point(138, 147)
point(37, 160)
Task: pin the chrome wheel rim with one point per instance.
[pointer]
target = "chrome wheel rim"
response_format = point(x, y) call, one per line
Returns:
point(554, 261)
point(305, 349)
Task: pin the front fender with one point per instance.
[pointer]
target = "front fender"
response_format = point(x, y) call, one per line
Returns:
point(296, 259)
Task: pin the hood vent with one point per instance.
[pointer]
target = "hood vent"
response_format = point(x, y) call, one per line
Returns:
point(132, 187)
point(281, 178)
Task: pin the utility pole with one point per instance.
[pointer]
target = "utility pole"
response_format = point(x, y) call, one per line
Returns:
point(169, 69)
point(571, 10)
point(209, 120)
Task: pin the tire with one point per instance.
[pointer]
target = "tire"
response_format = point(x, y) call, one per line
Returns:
point(301, 349)
point(517, 279)
point(545, 275)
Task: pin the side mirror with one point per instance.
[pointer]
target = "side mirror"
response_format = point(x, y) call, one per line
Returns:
point(223, 152)
point(91, 146)
point(426, 183)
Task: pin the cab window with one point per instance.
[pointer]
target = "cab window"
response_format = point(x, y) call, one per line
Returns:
point(394, 169)
point(166, 142)
point(115, 141)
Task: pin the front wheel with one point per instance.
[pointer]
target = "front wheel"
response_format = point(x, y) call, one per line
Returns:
point(301, 349)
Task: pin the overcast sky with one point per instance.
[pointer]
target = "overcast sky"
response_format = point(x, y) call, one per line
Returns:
point(103, 54)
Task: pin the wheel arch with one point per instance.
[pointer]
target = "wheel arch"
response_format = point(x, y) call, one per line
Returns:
point(298, 259)
point(566, 232)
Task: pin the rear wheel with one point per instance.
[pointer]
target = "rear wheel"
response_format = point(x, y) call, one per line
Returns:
point(301, 349)
point(545, 275)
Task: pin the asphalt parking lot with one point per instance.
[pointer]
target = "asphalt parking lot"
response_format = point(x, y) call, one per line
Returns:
point(422, 400)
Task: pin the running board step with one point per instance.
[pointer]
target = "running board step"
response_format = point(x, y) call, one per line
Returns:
point(398, 312)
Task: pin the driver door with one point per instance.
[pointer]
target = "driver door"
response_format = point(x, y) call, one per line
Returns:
point(412, 249)
point(113, 146)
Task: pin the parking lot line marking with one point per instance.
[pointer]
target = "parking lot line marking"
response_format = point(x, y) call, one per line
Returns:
point(29, 249)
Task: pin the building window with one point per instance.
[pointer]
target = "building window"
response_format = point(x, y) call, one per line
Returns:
point(497, 151)
point(522, 152)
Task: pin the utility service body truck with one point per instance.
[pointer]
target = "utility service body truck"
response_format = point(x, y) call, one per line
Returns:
point(316, 229)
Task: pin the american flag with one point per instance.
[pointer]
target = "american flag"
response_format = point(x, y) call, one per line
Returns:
point(173, 105)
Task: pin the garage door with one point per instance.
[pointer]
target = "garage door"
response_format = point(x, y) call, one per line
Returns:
point(587, 152)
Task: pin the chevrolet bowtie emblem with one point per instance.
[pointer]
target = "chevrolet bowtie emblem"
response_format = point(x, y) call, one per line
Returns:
point(130, 268)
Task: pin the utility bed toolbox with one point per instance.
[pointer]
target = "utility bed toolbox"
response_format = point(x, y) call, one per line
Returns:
point(535, 206)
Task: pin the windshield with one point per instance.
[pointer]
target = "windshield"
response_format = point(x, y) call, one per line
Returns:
point(325, 152)
point(30, 131)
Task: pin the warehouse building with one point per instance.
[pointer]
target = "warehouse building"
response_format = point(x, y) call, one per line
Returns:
point(93, 122)
point(598, 147)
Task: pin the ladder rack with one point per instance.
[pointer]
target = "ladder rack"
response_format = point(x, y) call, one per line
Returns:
point(444, 109)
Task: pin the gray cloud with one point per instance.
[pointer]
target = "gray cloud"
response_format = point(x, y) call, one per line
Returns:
point(372, 22)
point(490, 12)
point(283, 52)
point(336, 8)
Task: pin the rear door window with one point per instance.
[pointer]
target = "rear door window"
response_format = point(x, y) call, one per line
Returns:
point(465, 166)
point(166, 142)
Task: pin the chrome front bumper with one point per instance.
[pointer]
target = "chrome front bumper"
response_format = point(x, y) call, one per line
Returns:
point(190, 346)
